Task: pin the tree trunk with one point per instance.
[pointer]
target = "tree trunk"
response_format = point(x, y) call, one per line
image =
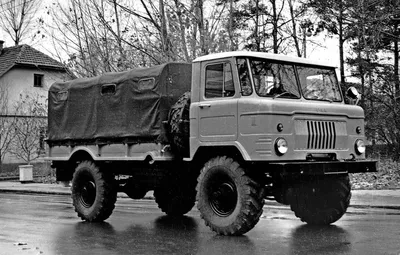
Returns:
point(200, 23)
point(193, 43)
point(164, 33)
point(294, 28)
point(86, 40)
point(230, 29)
point(304, 42)
point(361, 70)
point(122, 59)
point(396, 61)
point(275, 26)
point(256, 34)
point(341, 42)
point(182, 31)
point(80, 39)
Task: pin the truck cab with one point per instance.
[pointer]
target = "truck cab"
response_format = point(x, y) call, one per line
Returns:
point(273, 108)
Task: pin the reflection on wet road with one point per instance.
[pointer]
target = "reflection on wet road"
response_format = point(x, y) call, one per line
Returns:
point(32, 224)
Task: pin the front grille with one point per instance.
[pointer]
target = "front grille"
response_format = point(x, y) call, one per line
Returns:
point(321, 134)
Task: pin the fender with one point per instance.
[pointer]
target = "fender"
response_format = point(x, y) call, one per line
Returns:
point(199, 146)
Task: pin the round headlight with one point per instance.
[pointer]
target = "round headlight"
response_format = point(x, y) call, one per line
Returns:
point(360, 146)
point(281, 146)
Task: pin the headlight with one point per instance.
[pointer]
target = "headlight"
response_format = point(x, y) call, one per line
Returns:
point(360, 146)
point(281, 146)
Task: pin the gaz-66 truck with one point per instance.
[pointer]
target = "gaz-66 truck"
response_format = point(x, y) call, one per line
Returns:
point(228, 131)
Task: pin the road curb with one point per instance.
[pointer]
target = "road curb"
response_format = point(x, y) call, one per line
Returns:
point(391, 207)
point(35, 192)
point(149, 197)
point(48, 192)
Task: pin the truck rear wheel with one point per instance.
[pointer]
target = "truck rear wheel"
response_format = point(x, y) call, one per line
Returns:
point(94, 192)
point(175, 201)
point(178, 121)
point(321, 201)
point(230, 202)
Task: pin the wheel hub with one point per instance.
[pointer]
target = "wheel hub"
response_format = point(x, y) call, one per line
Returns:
point(223, 198)
point(88, 193)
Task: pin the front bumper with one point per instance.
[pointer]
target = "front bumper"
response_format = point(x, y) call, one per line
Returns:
point(325, 167)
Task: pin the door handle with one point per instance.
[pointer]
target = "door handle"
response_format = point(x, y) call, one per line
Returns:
point(202, 106)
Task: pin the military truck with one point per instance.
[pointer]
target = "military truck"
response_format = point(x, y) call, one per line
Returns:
point(228, 131)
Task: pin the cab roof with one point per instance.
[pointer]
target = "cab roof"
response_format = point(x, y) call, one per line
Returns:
point(278, 57)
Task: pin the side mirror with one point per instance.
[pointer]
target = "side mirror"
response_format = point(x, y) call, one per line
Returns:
point(353, 94)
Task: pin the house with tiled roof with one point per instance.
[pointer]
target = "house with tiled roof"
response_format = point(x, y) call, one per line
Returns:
point(24, 69)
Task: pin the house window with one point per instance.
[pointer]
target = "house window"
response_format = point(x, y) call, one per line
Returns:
point(38, 80)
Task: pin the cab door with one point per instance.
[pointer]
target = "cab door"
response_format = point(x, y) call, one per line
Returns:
point(218, 105)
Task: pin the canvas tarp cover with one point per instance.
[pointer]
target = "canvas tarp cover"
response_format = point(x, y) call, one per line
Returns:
point(116, 107)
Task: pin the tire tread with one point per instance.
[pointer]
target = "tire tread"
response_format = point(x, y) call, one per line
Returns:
point(252, 207)
point(105, 201)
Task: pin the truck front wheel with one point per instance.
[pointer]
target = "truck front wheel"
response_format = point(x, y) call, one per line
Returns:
point(94, 192)
point(230, 202)
point(321, 201)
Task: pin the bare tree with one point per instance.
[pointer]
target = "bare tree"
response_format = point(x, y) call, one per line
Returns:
point(164, 31)
point(29, 127)
point(113, 35)
point(180, 8)
point(100, 36)
point(199, 16)
point(17, 18)
point(276, 20)
point(298, 12)
point(6, 124)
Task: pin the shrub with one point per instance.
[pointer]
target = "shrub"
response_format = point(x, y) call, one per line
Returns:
point(387, 177)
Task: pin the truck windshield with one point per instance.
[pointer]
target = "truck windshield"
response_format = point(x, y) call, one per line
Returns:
point(274, 79)
point(277, 79)
point(319, 83)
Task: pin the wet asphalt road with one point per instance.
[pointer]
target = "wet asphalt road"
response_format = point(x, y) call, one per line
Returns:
point(47, 224)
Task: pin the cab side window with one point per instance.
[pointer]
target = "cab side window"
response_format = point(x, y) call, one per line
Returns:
point(244, 77)
point(219, 81)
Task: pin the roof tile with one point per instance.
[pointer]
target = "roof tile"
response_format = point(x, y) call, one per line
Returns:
point(26, 55)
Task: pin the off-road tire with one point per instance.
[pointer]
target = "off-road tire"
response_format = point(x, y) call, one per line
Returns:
point(94, 192)
point(229, 201)
point(175, 201)
point(133, 190)
point(321, 201)
point(178, 125)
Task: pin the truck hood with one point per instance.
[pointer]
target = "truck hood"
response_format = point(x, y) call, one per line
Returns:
point(290, 107)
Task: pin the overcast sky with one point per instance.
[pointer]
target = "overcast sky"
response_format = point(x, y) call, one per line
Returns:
point(329, 53)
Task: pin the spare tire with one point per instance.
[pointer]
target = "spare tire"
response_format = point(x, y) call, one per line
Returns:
point(178, 124)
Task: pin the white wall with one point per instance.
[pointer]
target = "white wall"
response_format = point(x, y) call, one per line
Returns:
point(20, 80)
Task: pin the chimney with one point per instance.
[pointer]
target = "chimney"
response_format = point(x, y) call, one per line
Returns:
point(1, 46)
